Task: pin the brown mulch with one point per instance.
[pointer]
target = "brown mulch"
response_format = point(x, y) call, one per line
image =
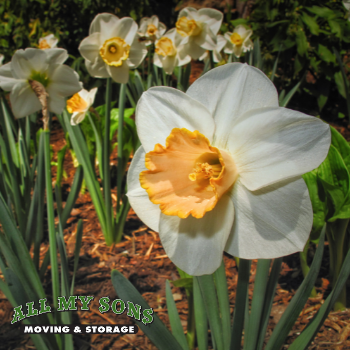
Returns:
point(142, 259)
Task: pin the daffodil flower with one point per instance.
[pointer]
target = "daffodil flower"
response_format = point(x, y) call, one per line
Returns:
point(198, 29)
point(79, 104)
point(112, 48)
point(221, 42)
point(169, 53)
point(220, 169)
point(239, 41)
point(48, 42)
point(151, 29)
point(44, 67)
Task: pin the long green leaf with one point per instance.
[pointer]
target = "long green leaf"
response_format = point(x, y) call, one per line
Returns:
point(201, 318)
point(78, 238)
point(156, 331)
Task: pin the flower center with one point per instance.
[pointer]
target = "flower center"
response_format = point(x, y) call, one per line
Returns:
point(151, 30)
point(188, 27)
point(44, 45)
point(76, 104)
point(114, 51)
point(42, 78)
point(236, 39)
point(187, 176)
point(165, 47)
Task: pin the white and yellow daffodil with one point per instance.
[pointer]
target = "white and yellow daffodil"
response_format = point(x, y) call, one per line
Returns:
point(151, 29)
point(239, 41)
point(42, 66)
point(169, 53)
point(220, 169)
point(198, 29)
point(79, 104)
point(112, 48)
point(48, 42)
point(221, 42)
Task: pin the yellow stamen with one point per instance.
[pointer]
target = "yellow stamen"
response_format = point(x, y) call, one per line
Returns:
point(151, 30)
point(236, 39)
point(188, 27)
point(114, 51)
point(76, 104)
point(165, 47)
point(187, 176)
point(44, 45)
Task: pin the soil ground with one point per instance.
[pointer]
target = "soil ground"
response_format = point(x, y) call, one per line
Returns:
point(142, 259)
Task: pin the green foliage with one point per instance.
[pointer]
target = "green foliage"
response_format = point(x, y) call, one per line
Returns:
point(306, 31)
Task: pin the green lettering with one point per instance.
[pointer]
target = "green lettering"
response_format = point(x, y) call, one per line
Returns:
point(133, 311)
point(104, 305)
point(43, 307)
point(85, 301)
point(114, 306)
point(18, 316)
point(147, 316)
point(31, 310)
point(70, 304)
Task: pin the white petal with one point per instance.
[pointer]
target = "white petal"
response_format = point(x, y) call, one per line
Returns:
point(88, 96)
point(119, 74)
point(89, 48)
point(168, 64)
point(183, 58)
point(206, 39)
point(7, 81)
point(23, 100)
point(161, 109)
point(231, 90)
point(148, 212)
point(126, 29)
point(213, 18)
point(161, 29)
point(189, 12)
point(56, 102)
point(272, 144)
point(56, 55)
point(100, 20)
point(97, 68)
point(64, 80)
point(221, 42)
point(77, 117)
point(237, 50)
point(196, 245)
point(270, 223)
point(193, 49)
point(137, 53)
point(156, 61)
point(24, 62)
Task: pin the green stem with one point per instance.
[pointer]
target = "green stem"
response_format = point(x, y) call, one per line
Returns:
point(305, 267)
point(51, 220)
point(106, 169)
point(179, 77)
point(191, 321)
point(211, 57)
point(121, 106)
point(336, 233)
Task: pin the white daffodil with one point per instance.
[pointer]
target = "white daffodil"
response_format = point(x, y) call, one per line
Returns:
point(42, 66)
point(221, 42)
point(79, 104)
point(220, 169)
point(169, 53)
point(1, 59)
point(198, 29)
point(48, 42)
point(238, 41)
point(151, 29)
point(112, 48)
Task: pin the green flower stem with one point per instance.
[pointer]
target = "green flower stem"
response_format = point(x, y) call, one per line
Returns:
point(211, 57)
point(122, 98)
point(305, 267)
point(179, 77)
point(191, 321)
point(336, 233)
point(51, 220)
point(106, 169)
point(149, 60)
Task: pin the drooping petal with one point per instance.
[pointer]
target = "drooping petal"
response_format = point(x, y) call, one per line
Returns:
point(193, 49)
point(234, 90)
point(100, 20)
point(89, 48)
point(77, 117)
point(206, 39)
point(168, 63)
point(64, 80)
point(56, 55)
point(126, 29)
point(237, 50)
point(7, 81)
point(97, 68)
point(56, 102)
point(119, 74)
point(23, 100)
point(25, 62)
point(213, 18)
point(161, 109)
point(271, 222)
point(196, 245)
point(274, 144)
point(137, 53)
point(148, 212)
